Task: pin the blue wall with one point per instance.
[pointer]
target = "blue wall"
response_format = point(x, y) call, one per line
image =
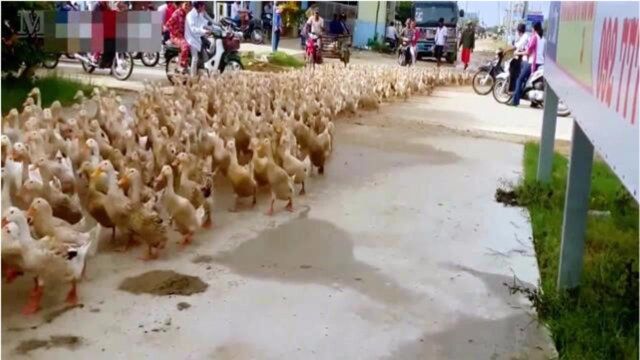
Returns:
point(364, 30)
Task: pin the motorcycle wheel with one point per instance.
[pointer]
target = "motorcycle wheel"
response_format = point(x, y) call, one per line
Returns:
point(51, 61)
point(402, 59)
point(150, 59)
point(171, 68)
point(482, 82)
point(122, 69)
point(257, 37)
point(501, 91)
point(232, 65)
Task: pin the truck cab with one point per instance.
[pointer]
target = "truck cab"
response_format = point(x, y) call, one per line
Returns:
point(426, 14)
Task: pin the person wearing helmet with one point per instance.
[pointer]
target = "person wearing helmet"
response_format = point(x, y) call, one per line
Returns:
point(195, 28)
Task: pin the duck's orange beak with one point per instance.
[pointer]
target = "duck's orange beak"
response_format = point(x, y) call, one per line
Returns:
point(4, 221)
point(31, 212)
point(123, 182)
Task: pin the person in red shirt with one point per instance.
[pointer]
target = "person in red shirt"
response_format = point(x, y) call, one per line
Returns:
point(175, 25)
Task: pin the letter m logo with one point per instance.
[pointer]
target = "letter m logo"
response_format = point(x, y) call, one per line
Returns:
point(31, 23)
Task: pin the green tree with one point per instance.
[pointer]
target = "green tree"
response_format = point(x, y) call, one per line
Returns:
point(20, 51)
point(403, 10)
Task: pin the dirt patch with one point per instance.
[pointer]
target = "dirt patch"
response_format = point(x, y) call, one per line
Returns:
point(52, 315)
point(202, 259)
point(163, 282)
point(507, 197)
point(183, 305)
point(67, 341)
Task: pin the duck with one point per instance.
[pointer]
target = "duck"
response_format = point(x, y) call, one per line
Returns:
point(180, 209)
point(241, 177)
point(280, 183)
point(92, 195)
point(47, 258)
point(12, 262)
point(198, 194)
point(293, 166)
point(40, 215)
point(259, 161)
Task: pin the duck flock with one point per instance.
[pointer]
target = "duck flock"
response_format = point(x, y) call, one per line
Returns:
point(147, 170)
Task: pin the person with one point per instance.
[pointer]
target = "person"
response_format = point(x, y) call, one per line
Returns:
point(520, 47)
point(176, 27)
point(235, 10)
point(535, 54)
point(392, 35)
point(277, 29)
point(335, 27)
point(467, 43)
point(343, 23)
point(195, 28)
point(316, 22)
point(413, 41)
point(441, 40)
point(166, 10)
point(267, 8)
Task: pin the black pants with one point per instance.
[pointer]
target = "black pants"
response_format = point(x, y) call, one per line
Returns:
point(438, 52)
point(514, 72)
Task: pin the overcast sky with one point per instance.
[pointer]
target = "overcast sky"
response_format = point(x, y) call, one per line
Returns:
point(488, 10)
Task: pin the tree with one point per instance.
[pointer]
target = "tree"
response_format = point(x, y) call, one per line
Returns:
point(403, 10)
point(20, 51)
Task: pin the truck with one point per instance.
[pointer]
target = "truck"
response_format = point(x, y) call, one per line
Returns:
point(426, 15)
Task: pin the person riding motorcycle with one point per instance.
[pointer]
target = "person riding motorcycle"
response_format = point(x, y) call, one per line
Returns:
point(315, 26)
point(195, 28)
point(176, 27)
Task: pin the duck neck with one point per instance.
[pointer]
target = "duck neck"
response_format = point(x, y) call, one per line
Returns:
point(136, 190)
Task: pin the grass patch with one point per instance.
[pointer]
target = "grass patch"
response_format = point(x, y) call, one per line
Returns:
point(275, 62)
point(599, 320)
point(52, 87)
point(282, 59)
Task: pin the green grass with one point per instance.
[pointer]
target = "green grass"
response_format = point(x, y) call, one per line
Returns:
point(600, 320)
point(52, 87)
point(282, 59)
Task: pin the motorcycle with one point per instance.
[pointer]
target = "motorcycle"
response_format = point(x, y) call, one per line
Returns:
point(533, 91)
point(121, 66)
point(253, 32)
point(51, 60)
point(267, 23)
point(221, 54)
point(404, 53)
point(484, 78)
point(312, 50)
point(149, 59)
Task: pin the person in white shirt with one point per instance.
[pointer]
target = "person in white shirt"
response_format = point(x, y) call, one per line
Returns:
point(520, 47)
point(235, 10)
point(316, 23)
point(195, 26)
point(392, 35)
point(441, 40)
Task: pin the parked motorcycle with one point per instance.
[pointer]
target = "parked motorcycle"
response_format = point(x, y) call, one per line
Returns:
point(253, 32)
point(404, 53)
point(533, 90)
point(121, 66)
point(484, 78)
point(221, 54)
point(149, 59)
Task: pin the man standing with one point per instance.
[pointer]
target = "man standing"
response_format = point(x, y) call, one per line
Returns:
point(235, 10)
point(277, 29)
point(467, 43)
point(441, 39)
point(392, 35)
point(520, 47)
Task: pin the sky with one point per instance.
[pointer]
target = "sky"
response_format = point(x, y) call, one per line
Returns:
point(488, 10)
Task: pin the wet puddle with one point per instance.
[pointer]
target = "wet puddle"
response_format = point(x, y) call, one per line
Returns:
point(163, 282)
point(306, 250)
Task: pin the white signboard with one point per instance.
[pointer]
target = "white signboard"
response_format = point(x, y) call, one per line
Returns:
point(592, 62)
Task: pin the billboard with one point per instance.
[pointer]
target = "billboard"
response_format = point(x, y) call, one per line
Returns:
point(533, 18)
point(592, 63)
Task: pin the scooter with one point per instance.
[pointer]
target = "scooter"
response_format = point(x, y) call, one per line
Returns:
point(484, 78)
point(404, 53)
point(313, 54)
point(533, 90)
point(221, 54)
point(121, 66)
point(252, 32)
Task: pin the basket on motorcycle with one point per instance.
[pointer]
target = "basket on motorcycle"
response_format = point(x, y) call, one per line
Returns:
point(231, 43)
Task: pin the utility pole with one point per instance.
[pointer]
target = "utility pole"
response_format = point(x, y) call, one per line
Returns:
point(524, 10)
